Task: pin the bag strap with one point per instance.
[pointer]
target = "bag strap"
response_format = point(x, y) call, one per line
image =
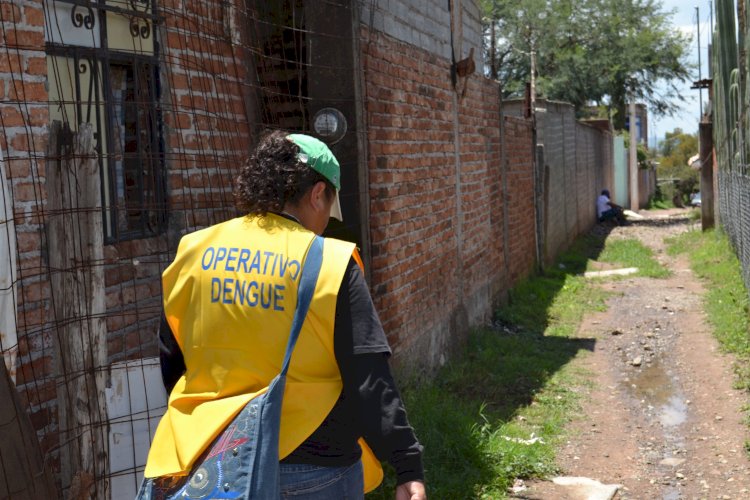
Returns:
point(307, 282)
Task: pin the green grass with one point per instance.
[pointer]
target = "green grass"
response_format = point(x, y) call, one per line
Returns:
point(659, 204)
point(511, 382)
point(506, 387)
point(633, 253)
point(726, 299)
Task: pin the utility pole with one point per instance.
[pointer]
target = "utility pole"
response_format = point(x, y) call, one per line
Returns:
point(532, 92)
point(633, 158)
point(700, 75)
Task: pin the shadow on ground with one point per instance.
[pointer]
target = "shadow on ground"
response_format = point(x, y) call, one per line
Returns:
point(502, 371)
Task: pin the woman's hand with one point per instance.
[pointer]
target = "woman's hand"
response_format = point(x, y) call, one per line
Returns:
point(412, 490)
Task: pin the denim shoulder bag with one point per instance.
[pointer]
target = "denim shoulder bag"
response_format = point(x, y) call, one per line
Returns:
point(243, 461)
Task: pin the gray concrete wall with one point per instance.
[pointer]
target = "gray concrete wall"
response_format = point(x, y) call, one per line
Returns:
point(578, 164)
point(426, 24)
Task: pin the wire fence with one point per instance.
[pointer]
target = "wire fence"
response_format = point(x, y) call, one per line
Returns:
point(731, 98)
point(122, 126)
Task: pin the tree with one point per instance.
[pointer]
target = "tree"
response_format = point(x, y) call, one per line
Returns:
point(676, 149)
point(588, 51)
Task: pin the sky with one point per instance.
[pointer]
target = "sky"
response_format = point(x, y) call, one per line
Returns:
point(684, 19)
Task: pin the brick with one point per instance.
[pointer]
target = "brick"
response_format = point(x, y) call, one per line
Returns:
point(38, 393)
point(34, 370)
point(10, 116)
point(10, 13)
point(36, 144)
point(24, 39)
point(27, 91)
point(181, 121)
point(27, 241)
point(38, 116)
point(33, 16)
point(34, 292)
point(36, 66)
point(201, 84)
point(178, 82)
point(11, 61)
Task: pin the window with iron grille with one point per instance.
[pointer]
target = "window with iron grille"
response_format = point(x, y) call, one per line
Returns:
point(103, 69)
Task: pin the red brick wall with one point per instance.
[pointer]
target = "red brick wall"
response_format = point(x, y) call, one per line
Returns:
point(23, 120)
point(412, 177)
point(436, 198)
point(208, 130)
point(521, 225)
point(441, 188)
point(206, 136)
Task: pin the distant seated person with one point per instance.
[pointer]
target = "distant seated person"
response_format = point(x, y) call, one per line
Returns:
point(606, 209)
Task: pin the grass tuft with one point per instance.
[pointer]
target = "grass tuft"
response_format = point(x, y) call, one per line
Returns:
point(498, 411)
point(632, 253)
point(726, 299)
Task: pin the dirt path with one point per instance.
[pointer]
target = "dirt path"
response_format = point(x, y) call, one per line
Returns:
point(663, 419)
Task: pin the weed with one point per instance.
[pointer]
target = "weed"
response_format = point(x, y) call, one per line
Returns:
point(498, 411)
point(726, 299)
point(659, 204)
point(632, 253)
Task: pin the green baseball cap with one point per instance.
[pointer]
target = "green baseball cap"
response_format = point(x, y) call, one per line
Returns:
point(317, 156)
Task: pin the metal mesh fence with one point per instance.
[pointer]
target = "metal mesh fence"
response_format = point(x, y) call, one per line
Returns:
point(732, 128)
point(122, 126)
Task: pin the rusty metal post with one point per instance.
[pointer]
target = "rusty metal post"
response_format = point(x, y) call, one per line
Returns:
point(707, 174)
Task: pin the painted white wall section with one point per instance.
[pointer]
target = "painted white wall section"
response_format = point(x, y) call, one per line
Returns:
point(8, 333)
point(136, 401)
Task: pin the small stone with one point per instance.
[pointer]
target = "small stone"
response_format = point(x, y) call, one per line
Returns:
point(674, 462)
point(679, 475)
point(637, 361)
point(719, 417)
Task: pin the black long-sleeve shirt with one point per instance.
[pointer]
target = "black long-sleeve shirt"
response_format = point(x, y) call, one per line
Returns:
point(369, 405)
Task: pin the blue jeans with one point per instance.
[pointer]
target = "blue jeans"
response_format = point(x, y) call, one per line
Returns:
point(313, 482)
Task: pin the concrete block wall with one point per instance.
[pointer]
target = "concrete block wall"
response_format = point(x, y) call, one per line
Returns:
point(578, 164)
point(426, 24)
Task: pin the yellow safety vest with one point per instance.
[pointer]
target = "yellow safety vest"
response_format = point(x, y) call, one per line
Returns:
point(229, 298)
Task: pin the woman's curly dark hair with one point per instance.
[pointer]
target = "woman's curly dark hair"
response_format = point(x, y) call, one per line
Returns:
point(273, 176)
